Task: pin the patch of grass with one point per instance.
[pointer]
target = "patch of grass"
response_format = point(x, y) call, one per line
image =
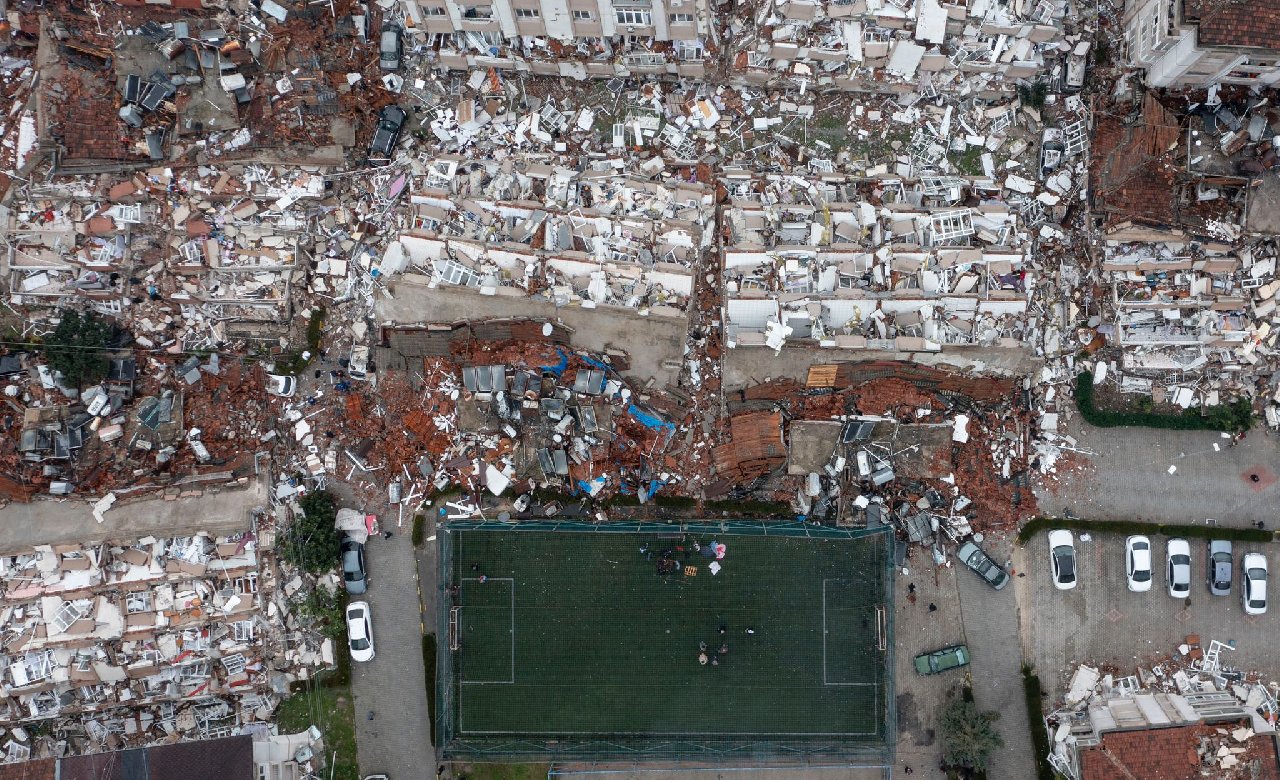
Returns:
point(315, 329)
point(969, 162)
point(330, 709)
point(294, 363)
point(501, 771)
point(1031, 689)
point(675, 502)
point(623, 499)
point(429, 666)
point(1129, 527)
point(419, 529)
point(1235, 417)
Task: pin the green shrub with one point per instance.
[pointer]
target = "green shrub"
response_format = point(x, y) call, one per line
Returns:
point(752, 508)
point(311, 542)
point(429, 668)
point(77, 348)
point(1035, 715)
point(419, 529)
point(1234, 417)
point(675, 502)
point(969, 735)
point(1130, 527)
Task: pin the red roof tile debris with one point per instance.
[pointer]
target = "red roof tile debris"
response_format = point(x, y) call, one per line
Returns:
point(39, 769)
point(755, 447)
point(1132, 174)
point(1168, 754)
point(1253, 24)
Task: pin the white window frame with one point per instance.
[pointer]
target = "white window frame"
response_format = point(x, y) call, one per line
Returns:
point(680, 18)
point(635, 17)
point(527, 14)
point(583, 16)
point(478, 13)
point(433, 10)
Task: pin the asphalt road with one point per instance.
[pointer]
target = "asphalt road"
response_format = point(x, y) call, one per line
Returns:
point(396, 741)
point(1101, 622)
point(1129, 477)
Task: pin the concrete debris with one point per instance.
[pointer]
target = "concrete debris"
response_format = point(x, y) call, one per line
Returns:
point(1222, 719)
point(128, 645)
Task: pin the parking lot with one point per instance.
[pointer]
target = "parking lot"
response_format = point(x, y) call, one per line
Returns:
point(1101, 622)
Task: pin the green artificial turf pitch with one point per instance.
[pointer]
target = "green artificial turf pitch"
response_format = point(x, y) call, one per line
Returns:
point(576, 635)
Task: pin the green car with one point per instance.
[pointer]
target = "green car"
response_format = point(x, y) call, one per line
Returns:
point(942, 660)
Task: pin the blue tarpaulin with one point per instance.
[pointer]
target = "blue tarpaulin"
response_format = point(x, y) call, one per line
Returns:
point(648, 420)
point(593, 486)
point(600, 364)
point(654, 485)
point(558, 369)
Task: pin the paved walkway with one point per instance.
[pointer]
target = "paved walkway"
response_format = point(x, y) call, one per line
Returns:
point(1129, 477)
point(991, 632)
point(397, 742)
point(218, 510)
point(654, 344)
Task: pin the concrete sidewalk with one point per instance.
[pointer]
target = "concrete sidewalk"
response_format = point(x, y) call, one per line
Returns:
point(655, 344)
point(397, 741)
point(219, 510)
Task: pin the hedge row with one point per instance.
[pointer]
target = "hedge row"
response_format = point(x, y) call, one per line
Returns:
point(1035, 715)
point(1233, 418)
point(1129, 527)
point(429, 667)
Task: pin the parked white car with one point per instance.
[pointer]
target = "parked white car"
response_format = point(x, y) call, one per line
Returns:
point(1137, 563)
point(1253, 584)
point(359, 631)
point(1062, 557)
point(1178, 559)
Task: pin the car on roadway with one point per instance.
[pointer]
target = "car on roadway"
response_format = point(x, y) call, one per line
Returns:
point(1062, 557)
point(1178, 564)
point(281, 386)
point(1253, 584)
point(359, 631)
point(386, 135)
point(976, 558)
point(353, 571)
point(1220, 567)
point(942, 660)
point(1137, 563)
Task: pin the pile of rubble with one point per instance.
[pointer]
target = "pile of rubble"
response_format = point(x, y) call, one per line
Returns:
point(143, 643)
point(884, 443)
point(503, 419)
point(169, 427)
point(1191, 712)
point(1174, 301)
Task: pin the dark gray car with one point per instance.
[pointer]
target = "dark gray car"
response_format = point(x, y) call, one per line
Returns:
point(387, 134)
point(976, 558)
point(1220, 571)
point(353, 571)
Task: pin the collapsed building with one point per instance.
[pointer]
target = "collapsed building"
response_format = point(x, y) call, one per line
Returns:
point(1191, 717)
point(146, 642)
point(1186, 288)
point(598, 238)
